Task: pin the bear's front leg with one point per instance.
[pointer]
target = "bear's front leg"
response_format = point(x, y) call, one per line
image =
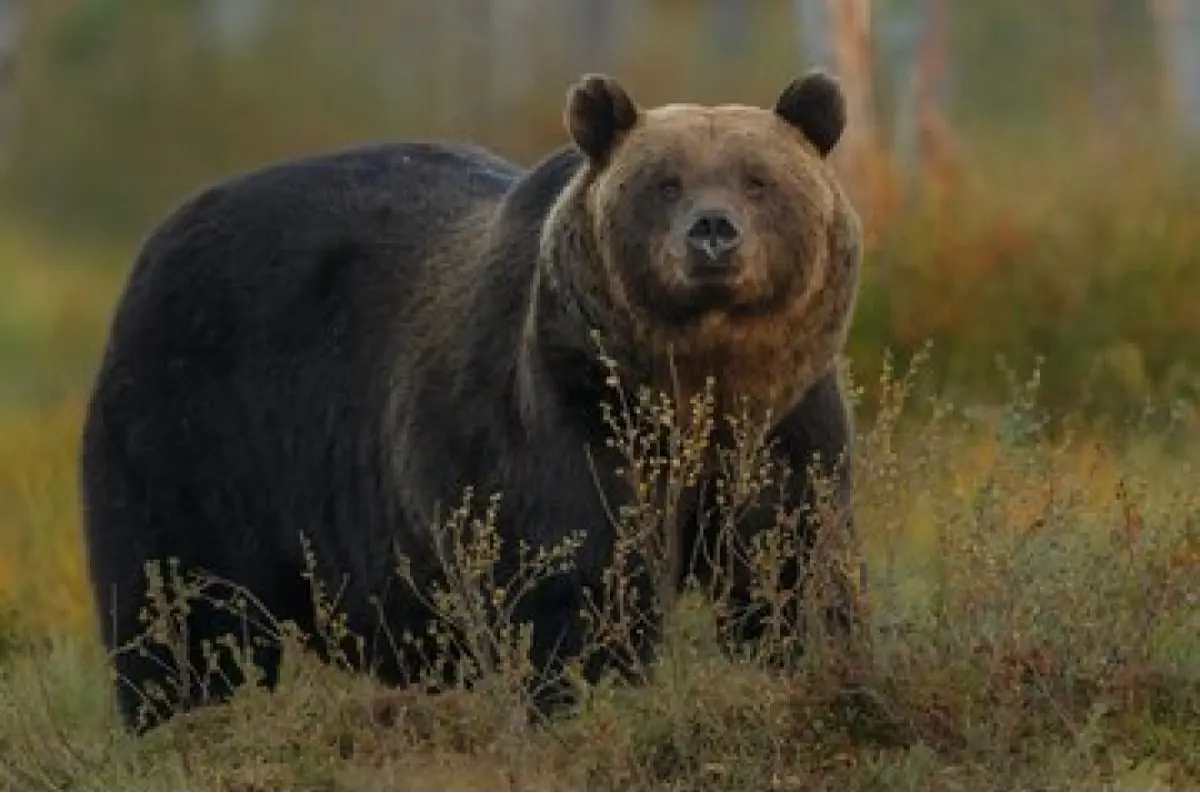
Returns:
point(595, 608)
point(785, 561)
point(784, 586)
point(577, 621)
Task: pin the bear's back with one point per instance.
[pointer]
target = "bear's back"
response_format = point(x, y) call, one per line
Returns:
point(396, 198)
point(279, 258)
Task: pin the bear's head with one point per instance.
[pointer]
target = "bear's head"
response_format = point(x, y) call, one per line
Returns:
point(716, 238)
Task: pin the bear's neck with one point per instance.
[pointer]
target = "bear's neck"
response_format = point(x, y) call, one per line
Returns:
point(576, 343)
point(559, 368)
point(580, 332)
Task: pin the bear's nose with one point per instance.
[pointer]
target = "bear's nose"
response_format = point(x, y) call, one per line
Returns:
point(715, 234)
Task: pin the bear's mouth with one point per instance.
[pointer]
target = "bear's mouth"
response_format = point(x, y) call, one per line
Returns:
point(712, 292)
point(693, 302)
point(679, 292)
point(706, 274)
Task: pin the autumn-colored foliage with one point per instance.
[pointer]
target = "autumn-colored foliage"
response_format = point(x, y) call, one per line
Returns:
point(1027, 505)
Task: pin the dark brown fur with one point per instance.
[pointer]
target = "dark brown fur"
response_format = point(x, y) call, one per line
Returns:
point(783, 325)
point(336, 347)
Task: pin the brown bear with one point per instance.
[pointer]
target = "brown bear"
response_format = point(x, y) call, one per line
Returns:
point(313, 362)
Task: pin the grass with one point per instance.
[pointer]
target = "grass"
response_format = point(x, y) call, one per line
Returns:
point(1033, 623)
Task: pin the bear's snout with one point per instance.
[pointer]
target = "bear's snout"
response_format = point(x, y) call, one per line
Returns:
point(712, 235)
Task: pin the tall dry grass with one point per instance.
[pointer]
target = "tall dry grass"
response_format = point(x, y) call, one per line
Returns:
point(1031, 621)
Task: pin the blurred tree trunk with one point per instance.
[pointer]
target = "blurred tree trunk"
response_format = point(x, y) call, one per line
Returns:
point(836, 34)
point(593, 30)
point(936, 160)
point(12, 18)
point(915, 38)
point(728, 43)
point(730, 20)
point(852, 54)
point(1178, 25)
point(235, 25)
point(512, 25)
point(595, 27)
point(465, 49)
point(900, 28)
point(1105, 76)
point(814, 21)
point(401, 36)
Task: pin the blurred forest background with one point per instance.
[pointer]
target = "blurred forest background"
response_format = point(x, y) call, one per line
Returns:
point(1028, 171)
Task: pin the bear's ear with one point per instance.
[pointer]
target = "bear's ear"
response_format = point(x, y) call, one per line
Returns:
point(598, 112)
point(815, 105)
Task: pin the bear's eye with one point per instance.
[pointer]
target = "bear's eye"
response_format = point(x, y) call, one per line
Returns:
point(670, 188)
point(754, 185)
